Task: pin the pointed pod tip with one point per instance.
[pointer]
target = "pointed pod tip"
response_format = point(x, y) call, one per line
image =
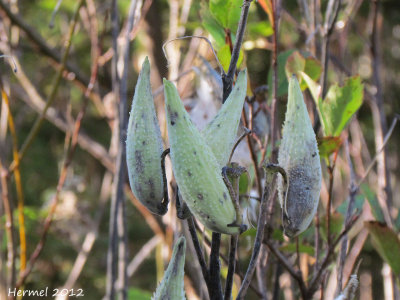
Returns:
point(145, 66)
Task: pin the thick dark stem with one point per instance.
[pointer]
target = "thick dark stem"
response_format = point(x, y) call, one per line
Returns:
point(227, 79)
point(215, 288)
point(117, 197)
point(199, 252)
point(231, 267)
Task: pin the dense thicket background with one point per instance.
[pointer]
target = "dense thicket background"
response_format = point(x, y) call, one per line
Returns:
point(365, 41)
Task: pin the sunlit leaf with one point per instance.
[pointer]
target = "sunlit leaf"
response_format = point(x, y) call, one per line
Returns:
point(257, 29)
point(328, 145)
point(386, 243)
point(138, 294)
point(213, 27)
point(226, 12)
point(340, 104)
point(224, 56)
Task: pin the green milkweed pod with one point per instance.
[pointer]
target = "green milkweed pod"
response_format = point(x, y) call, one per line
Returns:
point(220, 134)
point(171, 286)
point(144, 146)
point(298, 155)
point(196, 169)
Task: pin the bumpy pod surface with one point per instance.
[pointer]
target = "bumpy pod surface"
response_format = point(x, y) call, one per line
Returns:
point(221, 133)
point(144, 146)
point(298, 155)
point(171, 287)
point(196, 169)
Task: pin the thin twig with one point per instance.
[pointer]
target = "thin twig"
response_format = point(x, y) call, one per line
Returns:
point(268, 196)
point(116, 256)
point(53, 204)
point(18, 184)
point(385, 141)
point(332, 11)
point(9, 228)
point(227, 79)
point(41, 43)
point(231, 267)
point(253, 154)
point(189, 37)
point(313, 286)
point(197, 247)
point(142, 254)
point(91, 236)
point(287, 265)
point(352, 196)
point(36, 126)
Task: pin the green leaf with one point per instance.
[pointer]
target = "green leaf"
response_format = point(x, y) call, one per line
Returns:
point(295, 64)
point(340, 104)
point(328, 145)
point(302, 63)
point(282, 79)
point(213, 27)
point(373, 202)
point(257, 29)
point(386, 243)
point(291, 248)
point(224, 56)
point(244, 183)
point(137, 294)
point(315, 88)
point(226, 12)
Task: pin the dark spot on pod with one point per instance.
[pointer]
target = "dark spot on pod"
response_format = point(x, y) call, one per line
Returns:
point(138, 187)
point(218, 125)
point(200, 196)
point(313, 155)
point(152, 195)
point(220, 201)
point(307, 188)
point(173, 115)
point(144, 143)
point(225, 196)
point(208, 217)
point(142, 115)
point(189, 173)
point(139, 161)
point(297, 106)
point(194, 152)
point(151, 183)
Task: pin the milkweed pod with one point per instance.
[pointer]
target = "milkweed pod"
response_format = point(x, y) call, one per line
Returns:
point(298, 155)
point(144, 146)
point(171, 286)
point(220, 134)
point(196, 169)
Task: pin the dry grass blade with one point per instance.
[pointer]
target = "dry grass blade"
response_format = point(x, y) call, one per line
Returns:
point(18, 185)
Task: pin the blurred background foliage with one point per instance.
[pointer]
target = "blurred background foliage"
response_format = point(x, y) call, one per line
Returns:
point(79, 202)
